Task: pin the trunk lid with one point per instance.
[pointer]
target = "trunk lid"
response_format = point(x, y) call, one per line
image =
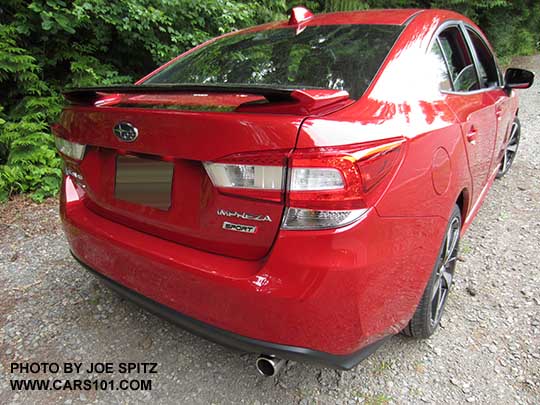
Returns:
point(157, 183)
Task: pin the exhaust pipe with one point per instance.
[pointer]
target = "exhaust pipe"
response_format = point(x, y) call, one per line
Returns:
point(269, 366)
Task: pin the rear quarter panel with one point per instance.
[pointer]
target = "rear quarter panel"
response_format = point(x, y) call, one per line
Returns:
point(404, 100)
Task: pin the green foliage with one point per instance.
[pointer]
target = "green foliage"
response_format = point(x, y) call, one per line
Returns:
point(46, 45)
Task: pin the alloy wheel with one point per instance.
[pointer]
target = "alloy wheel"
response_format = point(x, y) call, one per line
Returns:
point(511, 149)
point(445, 271)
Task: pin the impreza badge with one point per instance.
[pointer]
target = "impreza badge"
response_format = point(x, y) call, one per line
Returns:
point(244, 215)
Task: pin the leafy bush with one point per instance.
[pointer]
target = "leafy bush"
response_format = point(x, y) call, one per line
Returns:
point(46, 45)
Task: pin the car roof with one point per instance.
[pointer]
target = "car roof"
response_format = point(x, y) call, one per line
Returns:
point(400, 17)
point(386, 17)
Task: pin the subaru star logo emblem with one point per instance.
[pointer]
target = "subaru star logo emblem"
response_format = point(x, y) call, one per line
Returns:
point(125, 131)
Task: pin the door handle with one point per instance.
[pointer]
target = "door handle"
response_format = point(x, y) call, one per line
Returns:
point(471, 135)
point(498, 112)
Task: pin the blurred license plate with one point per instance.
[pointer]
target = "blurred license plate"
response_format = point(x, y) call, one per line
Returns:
point(144, 181)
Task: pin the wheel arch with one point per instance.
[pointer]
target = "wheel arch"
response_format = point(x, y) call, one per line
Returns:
point(463, 201)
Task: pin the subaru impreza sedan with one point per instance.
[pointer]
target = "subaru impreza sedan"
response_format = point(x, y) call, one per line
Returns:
point(296, 189)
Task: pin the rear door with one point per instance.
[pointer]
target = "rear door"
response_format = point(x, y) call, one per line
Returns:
point(491, 80)
point(473, 104)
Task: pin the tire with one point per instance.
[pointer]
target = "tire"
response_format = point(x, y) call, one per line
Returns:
point(511, 148)
point(428, 314)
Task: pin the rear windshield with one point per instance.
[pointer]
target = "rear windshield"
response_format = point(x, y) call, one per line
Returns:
point(342, 57)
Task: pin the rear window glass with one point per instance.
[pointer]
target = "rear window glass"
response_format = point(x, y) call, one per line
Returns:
point(342, 57)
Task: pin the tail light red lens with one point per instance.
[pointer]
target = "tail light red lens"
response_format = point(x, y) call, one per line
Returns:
point(325, 188)
point(376, 162)
point(361, 167)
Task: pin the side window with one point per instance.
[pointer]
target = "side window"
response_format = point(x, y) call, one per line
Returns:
point(460, 63)
point(489, 75)
point(441, 67)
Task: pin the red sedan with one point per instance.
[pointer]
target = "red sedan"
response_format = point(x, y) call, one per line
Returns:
point(296, 189)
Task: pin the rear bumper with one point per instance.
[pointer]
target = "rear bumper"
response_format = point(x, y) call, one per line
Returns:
point(233, 340)
point(326, 296)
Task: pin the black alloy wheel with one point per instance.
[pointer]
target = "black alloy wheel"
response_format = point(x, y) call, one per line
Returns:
point(511, 149)
point(429, 312)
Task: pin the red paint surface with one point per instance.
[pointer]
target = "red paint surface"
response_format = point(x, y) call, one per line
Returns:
point(333, 290)
point(441, 171)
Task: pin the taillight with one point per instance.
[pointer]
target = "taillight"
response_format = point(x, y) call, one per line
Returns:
point(245, 176)
point(70, 149)
point(315, 178)
point(333, 187)
point(305, 218)
point(67, 148)
point(259, 176)
point(326, 187)
point(376, 161)
point(72, 152)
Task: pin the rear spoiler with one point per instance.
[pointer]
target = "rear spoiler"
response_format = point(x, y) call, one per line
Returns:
point(309, 98)
point(85, 95)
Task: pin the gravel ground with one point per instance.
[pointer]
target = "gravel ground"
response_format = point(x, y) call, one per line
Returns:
point(487, 351)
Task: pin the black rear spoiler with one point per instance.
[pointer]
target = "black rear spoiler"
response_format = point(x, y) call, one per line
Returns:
point(88, 95)
point(309, 100)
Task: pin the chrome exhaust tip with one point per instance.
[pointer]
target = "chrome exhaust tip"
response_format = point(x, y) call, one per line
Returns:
point(269, 366)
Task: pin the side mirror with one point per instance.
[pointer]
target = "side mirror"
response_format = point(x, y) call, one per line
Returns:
point(518, 79)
